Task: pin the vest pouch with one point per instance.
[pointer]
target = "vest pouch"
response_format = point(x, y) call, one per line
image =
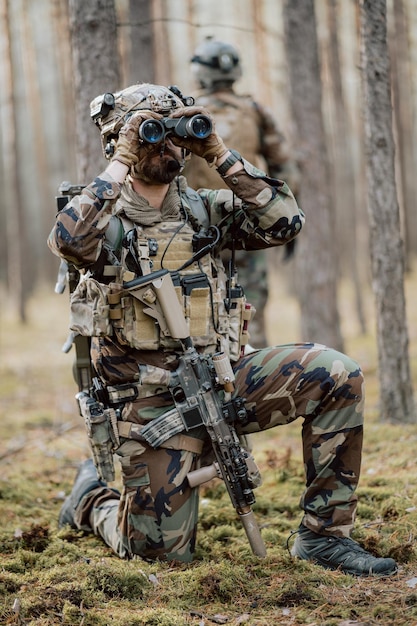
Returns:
point(136, 328)
point(235, 316)
point(235, 328)
point(89, 309)
point(167, 342)
point(198, 310)
point(132, 326)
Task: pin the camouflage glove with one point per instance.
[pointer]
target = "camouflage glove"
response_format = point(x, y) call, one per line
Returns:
point(129, 145)
point(210, 148)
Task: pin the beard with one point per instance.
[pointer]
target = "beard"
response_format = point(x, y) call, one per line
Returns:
point(158, 167)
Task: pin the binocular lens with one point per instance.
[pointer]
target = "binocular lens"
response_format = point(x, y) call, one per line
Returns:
point(199, 126)
point(152, 131)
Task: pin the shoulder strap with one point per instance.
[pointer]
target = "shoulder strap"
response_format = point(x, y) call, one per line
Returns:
point(115, 233)
point(196, 205)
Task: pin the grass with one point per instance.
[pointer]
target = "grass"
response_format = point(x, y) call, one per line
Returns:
point(50, 576)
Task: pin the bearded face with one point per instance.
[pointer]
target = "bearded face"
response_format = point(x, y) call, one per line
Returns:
point(160, 164)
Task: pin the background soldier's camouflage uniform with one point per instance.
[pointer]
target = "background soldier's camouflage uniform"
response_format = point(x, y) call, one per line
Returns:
point(250, 128)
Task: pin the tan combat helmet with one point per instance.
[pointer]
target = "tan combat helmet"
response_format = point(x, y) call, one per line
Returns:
point(215, 62)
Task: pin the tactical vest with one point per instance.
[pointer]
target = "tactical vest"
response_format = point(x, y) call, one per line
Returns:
point(104, 308)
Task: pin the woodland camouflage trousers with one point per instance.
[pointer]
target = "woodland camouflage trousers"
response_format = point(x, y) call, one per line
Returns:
point(156, 515)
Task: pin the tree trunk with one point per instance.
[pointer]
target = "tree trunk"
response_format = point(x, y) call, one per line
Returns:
point(162, 54)
point(96, 71)
point(317, 273)
point(38, 264)
point(141, 60)
point(387, 251)
point(402, 93)
point(347, 211)
point(15, 225)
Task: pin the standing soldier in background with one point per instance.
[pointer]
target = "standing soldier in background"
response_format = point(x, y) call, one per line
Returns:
point(251, 129)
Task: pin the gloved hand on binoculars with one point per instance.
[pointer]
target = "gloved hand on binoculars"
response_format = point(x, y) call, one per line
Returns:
point(129, 144)
point(210, 148)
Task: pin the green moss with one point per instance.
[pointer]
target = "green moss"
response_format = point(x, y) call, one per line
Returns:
point(71, 578)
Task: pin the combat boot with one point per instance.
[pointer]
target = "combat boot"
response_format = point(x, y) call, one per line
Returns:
point(340, 553)
point(85, 481)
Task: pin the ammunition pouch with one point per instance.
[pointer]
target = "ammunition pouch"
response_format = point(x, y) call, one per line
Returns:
point(135, 328)
point(99, 310)
point(235, 318)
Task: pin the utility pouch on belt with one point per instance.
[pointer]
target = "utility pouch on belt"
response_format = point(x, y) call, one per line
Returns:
point(103, 435)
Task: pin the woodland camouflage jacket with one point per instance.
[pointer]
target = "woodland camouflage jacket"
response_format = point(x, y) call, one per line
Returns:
point(264, 214)
point(260, 213)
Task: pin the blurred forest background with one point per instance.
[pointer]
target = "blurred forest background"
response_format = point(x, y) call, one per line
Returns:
point(59, 54)
point(347, 104)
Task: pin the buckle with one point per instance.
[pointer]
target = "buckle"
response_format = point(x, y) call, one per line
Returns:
point(126, 392)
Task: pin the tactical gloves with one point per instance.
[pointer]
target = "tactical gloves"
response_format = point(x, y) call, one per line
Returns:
point(210, 148)
point(130, 148)
point(129, 144)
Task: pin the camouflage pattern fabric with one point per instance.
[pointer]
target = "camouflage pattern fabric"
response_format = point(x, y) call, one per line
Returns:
point(259, 201)
point(157, 512)
point(79, 233)
point(248, 127)
point(156, 515)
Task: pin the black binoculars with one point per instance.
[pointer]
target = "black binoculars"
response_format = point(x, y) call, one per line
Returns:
point(197, 126)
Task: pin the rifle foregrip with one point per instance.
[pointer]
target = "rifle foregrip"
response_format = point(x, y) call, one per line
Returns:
point(203, 474)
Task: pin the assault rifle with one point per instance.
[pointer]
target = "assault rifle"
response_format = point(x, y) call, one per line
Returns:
point(202, 388)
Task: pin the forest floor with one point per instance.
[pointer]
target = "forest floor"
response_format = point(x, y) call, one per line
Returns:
point(50, 576)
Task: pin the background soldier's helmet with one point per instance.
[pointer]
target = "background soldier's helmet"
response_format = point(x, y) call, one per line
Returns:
point(215, 62)
point(111, 111)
